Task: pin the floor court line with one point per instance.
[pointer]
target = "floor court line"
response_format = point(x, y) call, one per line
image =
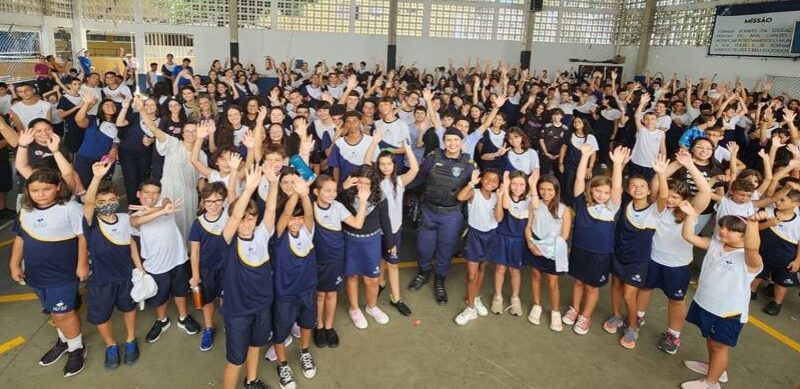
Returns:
point(18, 341)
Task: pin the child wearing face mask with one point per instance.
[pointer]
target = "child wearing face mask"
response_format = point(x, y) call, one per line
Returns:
point(114, 254)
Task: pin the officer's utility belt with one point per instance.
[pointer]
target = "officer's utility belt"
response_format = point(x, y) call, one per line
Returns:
point(438, 209)
point(376, 232)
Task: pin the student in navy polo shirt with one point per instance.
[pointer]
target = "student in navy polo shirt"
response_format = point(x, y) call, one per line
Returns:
point(248, 280)
point(50, 240)
point(114, 253)
point(295, 281)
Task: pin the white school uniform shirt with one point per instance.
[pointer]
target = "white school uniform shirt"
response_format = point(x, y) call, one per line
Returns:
point(394, 200)
point(525, 162)
point(27, 113)
point(163, 247)
point(314, 93)
point(336, 91)
point(568, 108)
point(331, 218)
point(544, 224)
point(355, 153)
point(589, 139)
point(216, 176)
point(54, 116)
point(669, 248)
point(497, 139)
point(611, 114)
point(254, 252)
point(730, 124)
point(394, 133)
point(153, 76)
point(724, 284)
point(117, 94)
point(647, 146)
point(726, 206)
point(480, 211)
point(406, 116)
point(5, 104)
point(663, 122)
point(322, 128)
point(238, 135)
point(722, 154)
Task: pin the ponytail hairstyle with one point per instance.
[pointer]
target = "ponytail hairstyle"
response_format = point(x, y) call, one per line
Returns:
point(552, 180)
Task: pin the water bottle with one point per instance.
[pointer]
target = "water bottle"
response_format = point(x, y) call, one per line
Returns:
point(302, 167)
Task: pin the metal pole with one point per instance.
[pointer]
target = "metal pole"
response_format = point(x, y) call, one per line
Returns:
point(233, 27)
point(391, 49)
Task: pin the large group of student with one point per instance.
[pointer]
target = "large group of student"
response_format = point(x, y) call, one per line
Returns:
point(279, 198)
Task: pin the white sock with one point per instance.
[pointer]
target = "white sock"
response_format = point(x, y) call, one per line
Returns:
point(75, 343)
point(640, 313)
point(164, 320)
point(61, 336)
point(674, 333)
point(181, 318)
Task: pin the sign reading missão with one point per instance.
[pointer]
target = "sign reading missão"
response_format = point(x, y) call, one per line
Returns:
point(755, 30)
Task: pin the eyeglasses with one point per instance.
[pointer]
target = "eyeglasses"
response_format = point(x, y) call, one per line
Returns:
point(214, 202)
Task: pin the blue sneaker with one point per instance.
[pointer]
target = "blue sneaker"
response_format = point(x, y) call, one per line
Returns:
point(131, 352)
point(207, 341)
point(112, 357)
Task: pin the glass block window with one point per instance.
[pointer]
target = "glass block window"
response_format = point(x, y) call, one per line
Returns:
point(254, 13)
point(633, 4)
point(62, 37)
point(61, 8)
point(108, 10)
point(21, 6)
point(372, 17)
point(510, 24)
point(629, 28)
point(320, 16)
point(511, 1)
point(158, 45)
point(186, 12)
point(545, 26)
point(682, 27)
point(667, 3)
point(585, 27)
point(461, 21)
point(409, 18)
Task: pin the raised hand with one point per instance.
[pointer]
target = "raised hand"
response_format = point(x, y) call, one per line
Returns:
point(377, 136)
point(53, 143)
point(147, 141)
point(660, 164)
point(427, 94)
point(620, 155)
point(262, 113)
point(684, 158)
point(138, 103)
point(352, 81)
point(687, 208)
point(500, 100)
point(733, 147)
point(203, 130)
point(758, 216)
point(789, 115)
point(364, 191)
point(301, 186)
point(100, 169)
point(306, 145)
point(587, 149)
point(475, 178)
point(253, 177)
point(26, 137)
point(88, 99)
point(234, 160)
point(249, 139)
point(645, 98)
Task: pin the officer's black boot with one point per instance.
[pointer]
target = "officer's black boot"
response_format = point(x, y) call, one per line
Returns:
point(438, 290)
point(422, 278)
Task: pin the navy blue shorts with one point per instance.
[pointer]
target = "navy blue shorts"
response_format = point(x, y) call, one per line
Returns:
point(480, 245)
point(246, 331)
point(509, 251)
point(329, 275)
point(723, 330)
point(174, 283)
point(385, 250)
point(362, 255)
point(211, 284)
point(631, 271)
point(302, 311)
point(780, 275)
point(540, 263)
point(57, 299)
point(6, 176)
point(588, 267)
point(104, 297)
point(673, 281)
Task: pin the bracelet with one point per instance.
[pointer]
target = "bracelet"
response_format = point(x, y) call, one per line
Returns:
point(22, 147)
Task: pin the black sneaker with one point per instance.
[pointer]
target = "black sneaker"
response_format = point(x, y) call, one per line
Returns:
point(285, 376)
point(769, 291)
point(422, 278)
point(439, 291)
point(401, 307)
point(381, 289)
point(112, 357)
point(75, 362)
point(255, 384)
point(320, 340)
point(332, 338)
point(189, 325)
point(772, 309)
point(156, 330)
point(308, 365)
point(131, 352)
point(54, 354)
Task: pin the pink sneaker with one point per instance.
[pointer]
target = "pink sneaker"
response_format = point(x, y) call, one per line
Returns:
point(582, 325)
point(570, 317)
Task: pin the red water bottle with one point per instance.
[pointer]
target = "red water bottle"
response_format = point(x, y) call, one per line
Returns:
point(198, 297)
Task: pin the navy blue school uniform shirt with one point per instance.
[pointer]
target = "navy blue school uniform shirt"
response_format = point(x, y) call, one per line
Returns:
point(109, 247)
point(635, 230)
point(131, 136)
point(593, 229)
point(248, 277)
point(491, 143)
point(50, 249)
point(209, 234)
point(295, 265)
point(516, 218)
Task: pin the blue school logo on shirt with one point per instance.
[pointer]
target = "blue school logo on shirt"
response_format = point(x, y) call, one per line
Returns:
point(457, 171)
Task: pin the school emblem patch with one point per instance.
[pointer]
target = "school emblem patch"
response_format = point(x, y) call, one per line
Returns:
point(457, 171)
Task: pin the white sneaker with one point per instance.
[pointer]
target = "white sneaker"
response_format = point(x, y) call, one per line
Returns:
point(515, 307)
point(466, 316)
point(699, 384)
point(482, 311)
point(295, 330)
point(702, 368)
point(555, 321)
point(379, 316)
point(535, 315)
point(497, 305)
point(358, 318)
point(271, 356)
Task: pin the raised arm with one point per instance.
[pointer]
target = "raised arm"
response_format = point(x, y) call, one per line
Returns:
point(580, 176)
point(11, 136)
point(661, 190)
point(703, 196)
point(82, 118)
point(620, 156)
point(122, 116)
point(498, 102)
point(377, 135)
point(251, 183)
point(688, 227)
point(413, 167)
point(752, 241)
point(427, 94)
point(202, 133)
point(468, 191)
point(99, 170)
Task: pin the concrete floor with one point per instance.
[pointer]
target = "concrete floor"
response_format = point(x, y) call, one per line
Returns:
point(494, 352)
